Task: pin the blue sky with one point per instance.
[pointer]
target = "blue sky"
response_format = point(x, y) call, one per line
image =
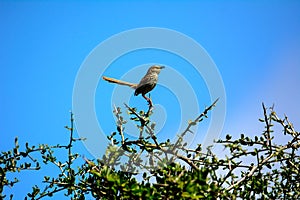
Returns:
point(255, 45)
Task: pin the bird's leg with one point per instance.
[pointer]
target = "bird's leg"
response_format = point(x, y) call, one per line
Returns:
point(141, 136)
point(148, 100)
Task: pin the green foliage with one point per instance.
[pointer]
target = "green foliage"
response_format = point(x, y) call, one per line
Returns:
point(250, 168)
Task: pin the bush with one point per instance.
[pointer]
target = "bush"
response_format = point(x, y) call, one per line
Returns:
point(169, 170)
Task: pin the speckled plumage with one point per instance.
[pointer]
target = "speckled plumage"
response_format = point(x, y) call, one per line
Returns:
point(149, 81)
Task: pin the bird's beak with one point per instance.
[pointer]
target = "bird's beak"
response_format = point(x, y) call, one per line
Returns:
point(161, 67)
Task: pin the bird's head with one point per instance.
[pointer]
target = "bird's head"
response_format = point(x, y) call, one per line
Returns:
point(155, 69)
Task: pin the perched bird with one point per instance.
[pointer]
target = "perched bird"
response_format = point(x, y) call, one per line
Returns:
point(147, 83)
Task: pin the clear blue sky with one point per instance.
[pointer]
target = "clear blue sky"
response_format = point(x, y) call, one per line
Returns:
point(255, 45)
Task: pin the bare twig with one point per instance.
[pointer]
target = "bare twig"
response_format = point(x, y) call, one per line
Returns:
point(268, 127)
point(119, 123)
point(192, 123)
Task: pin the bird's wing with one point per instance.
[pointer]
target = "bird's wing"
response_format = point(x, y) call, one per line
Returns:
point(112, 80)
point(148, 79)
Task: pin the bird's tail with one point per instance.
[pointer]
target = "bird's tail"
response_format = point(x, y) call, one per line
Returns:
point(112, 80)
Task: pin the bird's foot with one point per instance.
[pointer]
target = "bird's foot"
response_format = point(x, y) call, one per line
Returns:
point(150, 102)
point(148, 99)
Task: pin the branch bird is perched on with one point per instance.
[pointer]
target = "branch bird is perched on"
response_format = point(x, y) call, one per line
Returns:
point(147, 83)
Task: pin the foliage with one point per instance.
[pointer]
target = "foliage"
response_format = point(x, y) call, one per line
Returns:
point(254, 168)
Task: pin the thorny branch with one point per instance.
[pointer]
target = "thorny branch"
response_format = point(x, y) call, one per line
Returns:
point(273, 174)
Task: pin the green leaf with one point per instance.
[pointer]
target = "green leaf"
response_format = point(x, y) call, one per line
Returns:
point(228, 137)
point(192, 123)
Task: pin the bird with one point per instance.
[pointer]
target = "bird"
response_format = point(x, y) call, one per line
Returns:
point(146, 84)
